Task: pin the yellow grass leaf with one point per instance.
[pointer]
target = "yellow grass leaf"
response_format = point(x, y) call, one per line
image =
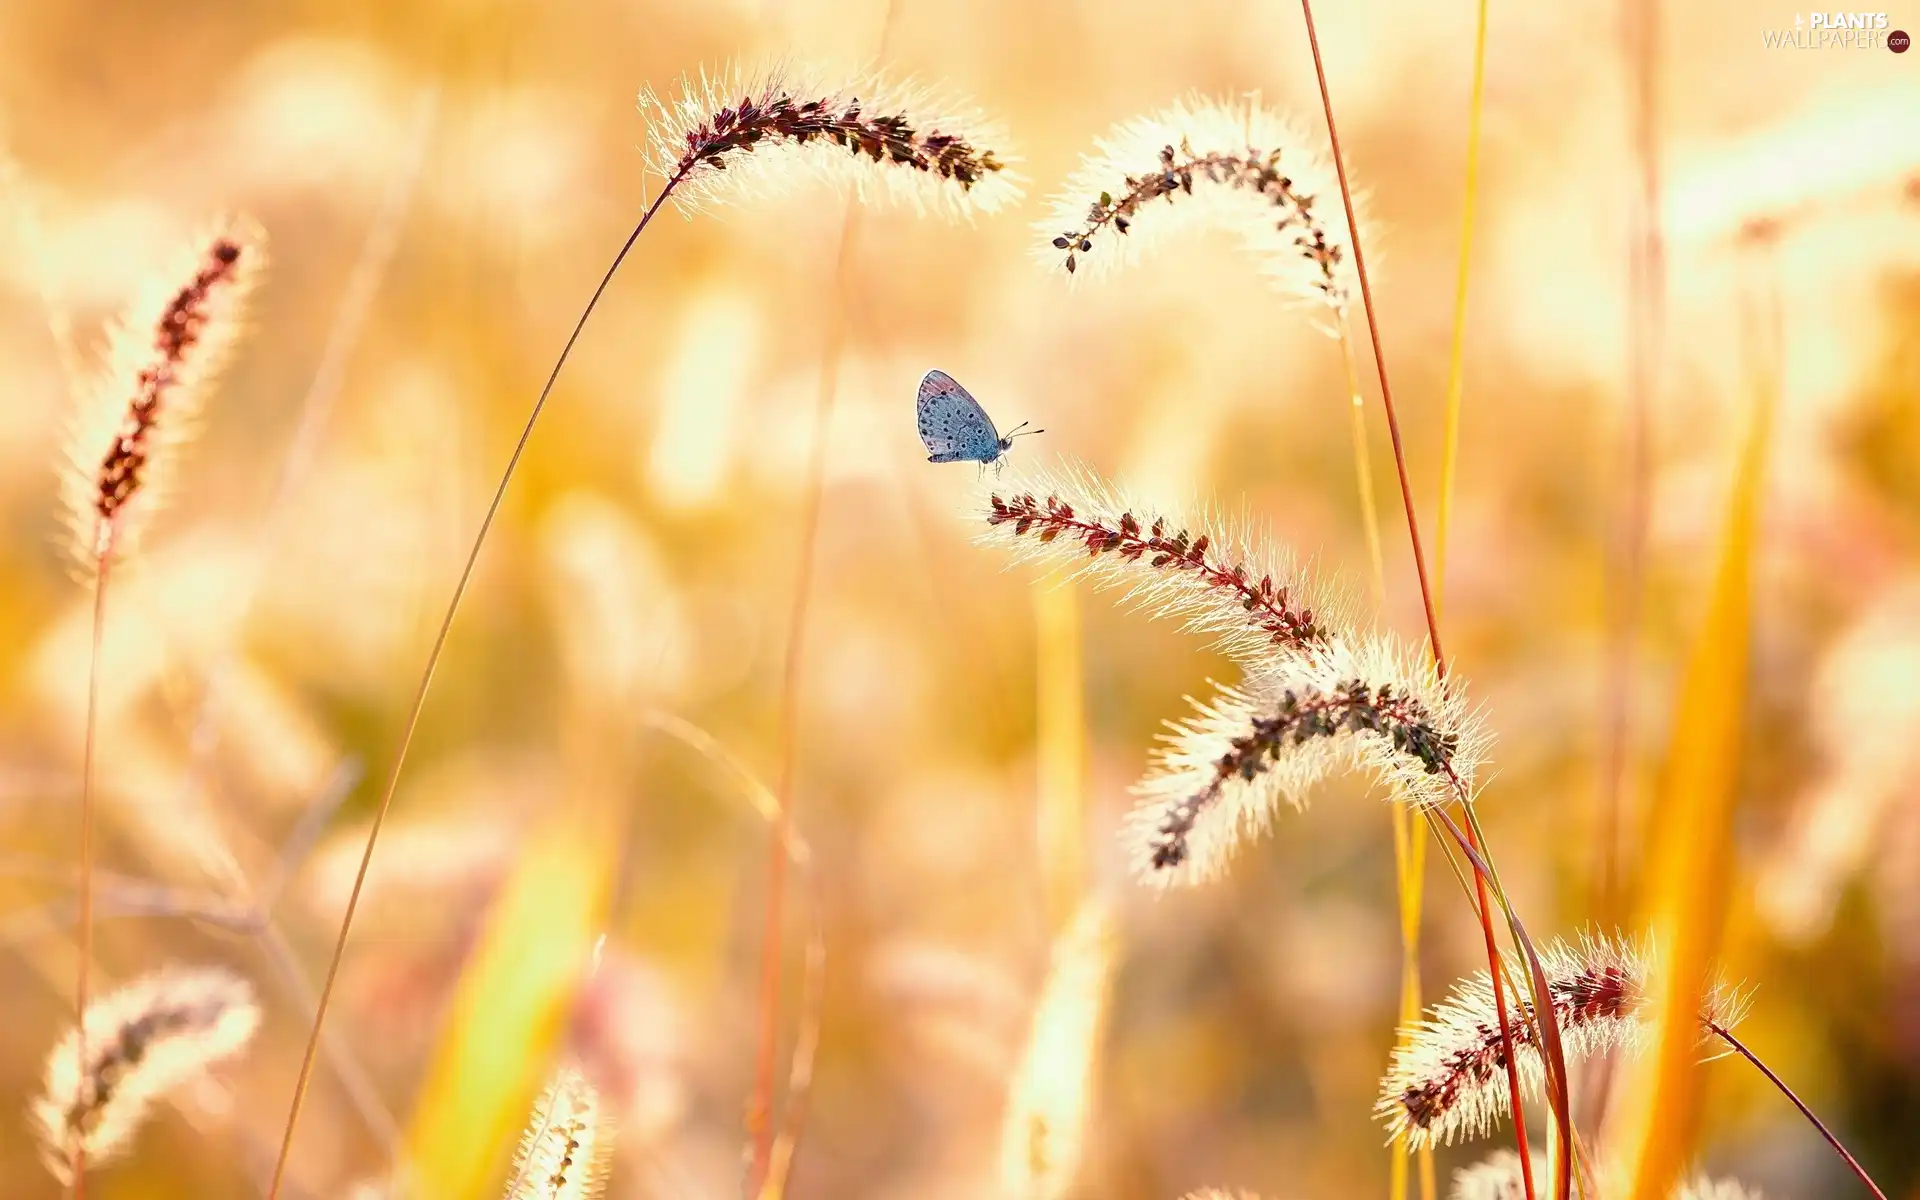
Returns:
point(1690, 846)
point(511, 1006)
point(1061, 746)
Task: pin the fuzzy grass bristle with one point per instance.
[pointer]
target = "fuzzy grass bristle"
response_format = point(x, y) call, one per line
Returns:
point(1204, 162)
point(1500, 1176)
point(568, 1145)
point(1447, 1079)
point(162, 357)
point(1361, 705)
point(1220, 578)
point(758, 132)
point(1318, 697)
point(142, 1041)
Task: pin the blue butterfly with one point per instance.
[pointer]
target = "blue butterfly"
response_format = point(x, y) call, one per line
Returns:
point(954, 428)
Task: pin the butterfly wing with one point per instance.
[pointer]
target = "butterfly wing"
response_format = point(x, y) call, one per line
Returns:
point(953, 426)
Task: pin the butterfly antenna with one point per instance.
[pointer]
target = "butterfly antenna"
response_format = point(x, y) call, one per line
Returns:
point(1015, 431)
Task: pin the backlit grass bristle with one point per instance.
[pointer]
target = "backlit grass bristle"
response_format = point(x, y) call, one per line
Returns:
point(1233, 165)
point(1499, 1177)
point(1044, 1129)
point(1249, 598)
point(162, 357)
point(1447, 1080)
point(759, 132)
point(1222, 774)
point(1318, 697)
point(568, 1145)
point(142, 1042)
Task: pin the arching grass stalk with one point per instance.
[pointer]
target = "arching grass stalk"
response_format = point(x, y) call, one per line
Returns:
point(719, 137)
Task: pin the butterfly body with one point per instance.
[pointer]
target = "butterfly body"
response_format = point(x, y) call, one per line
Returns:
point(953, 426)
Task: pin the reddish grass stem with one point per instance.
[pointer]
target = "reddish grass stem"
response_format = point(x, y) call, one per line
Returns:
point(426, 681)
point(1470, 842)
point(1740, 1048)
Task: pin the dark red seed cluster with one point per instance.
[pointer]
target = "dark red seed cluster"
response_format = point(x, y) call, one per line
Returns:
point(884, 139)
point(182, 324)
point(1255, 171)
point(1268, 603)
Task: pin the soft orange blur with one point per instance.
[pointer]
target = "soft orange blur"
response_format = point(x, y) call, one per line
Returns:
point(444, 182)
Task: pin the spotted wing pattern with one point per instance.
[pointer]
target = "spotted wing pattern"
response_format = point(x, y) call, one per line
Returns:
point(953, 426)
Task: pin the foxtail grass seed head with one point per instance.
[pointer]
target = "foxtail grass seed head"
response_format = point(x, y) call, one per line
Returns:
point(1317, 698)
point(758, 133)
point(568, 1144)
point(1501, 1176)
point(162, 357)
point(1221, 775)
point(1217, 578)
point(1044, 1131)
point(1201, 162)
point(1447, 1080)
point(143, 1041)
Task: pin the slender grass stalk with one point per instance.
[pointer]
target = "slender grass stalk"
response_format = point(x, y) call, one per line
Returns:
point(759, 1124)
point(1468, 842)
point(122, 452)
point(1363, 467)
point(1409, 852)
point(766, 803)
point(722, 135)
point(420, 696)
point(1853, 1163)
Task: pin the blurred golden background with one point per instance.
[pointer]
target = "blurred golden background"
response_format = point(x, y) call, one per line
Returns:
point(443, 182)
